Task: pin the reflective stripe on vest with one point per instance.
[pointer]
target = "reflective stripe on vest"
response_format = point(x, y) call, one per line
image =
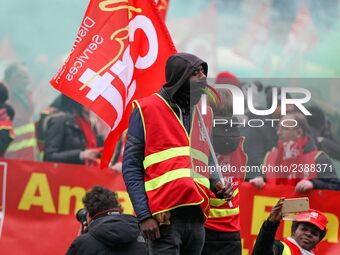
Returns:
point(286, 249)
point(24, 143)
point(166, 154)
point(201, 179)
point(16, 146)
point(223, 212)
point(199, 155)
point(174, 175)
point(28, 128)
point(167, 177)
point(216, 212)
point(174, 152)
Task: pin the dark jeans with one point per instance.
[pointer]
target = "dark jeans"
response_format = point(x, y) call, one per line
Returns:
point(222, 243)
point(185, 234)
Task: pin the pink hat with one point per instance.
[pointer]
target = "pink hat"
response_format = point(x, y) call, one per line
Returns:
point(314, 217)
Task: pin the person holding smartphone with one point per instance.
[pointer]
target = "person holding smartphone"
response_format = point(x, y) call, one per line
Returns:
point(308, 230)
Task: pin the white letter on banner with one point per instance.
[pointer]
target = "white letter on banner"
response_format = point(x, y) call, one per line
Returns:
point(101, 85)
point(146, 25)
point(124, 70)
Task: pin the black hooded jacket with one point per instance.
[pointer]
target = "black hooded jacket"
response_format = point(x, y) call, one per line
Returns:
point(327, 178)
point(110, 235)
point(179, 68)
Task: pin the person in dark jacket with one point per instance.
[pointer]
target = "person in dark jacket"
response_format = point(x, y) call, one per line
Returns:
point(308, 230)
point(325, 140)
point(40, 125)
point(69, 136)
point(183, 233)
point(108, 232)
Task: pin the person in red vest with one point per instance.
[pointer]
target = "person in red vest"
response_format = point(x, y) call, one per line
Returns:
point(6, 118)
point(297, 160)
point(24, 145)
point(222, 229)
point(157, 163)
point(308, 230)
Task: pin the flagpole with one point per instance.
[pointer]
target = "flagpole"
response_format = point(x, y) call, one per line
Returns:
point(212, 151)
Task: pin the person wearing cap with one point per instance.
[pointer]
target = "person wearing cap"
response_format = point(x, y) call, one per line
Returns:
point(226, 77)
point(308, 229)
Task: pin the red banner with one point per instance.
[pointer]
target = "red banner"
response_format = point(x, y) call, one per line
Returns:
point(38, 202)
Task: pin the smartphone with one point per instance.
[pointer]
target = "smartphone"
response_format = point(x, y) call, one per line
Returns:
point(294, 205)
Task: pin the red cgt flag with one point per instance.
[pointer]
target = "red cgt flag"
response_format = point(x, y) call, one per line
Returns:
point(119, 55)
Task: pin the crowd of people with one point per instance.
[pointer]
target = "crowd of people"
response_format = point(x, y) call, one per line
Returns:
point(63, 133)
point(171, 201)
point(180, 209)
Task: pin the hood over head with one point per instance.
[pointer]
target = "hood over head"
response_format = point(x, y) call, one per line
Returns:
point(116, 230)
point(179, 68)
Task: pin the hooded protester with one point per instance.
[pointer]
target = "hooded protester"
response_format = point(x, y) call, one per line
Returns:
point(168, 202)
point(108, 231)
point(308, 229)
